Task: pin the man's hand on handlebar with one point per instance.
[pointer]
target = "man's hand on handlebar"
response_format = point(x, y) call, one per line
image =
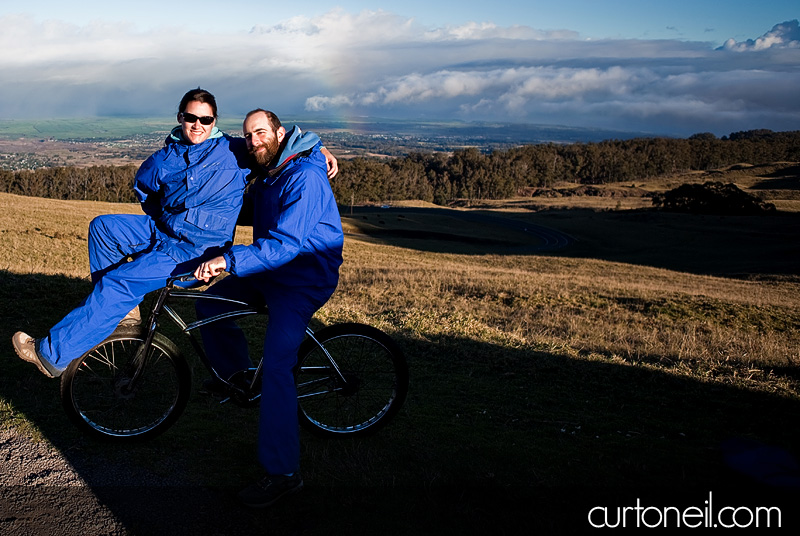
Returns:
point(210, 269)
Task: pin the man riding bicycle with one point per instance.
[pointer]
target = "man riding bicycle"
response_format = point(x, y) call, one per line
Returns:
point(293, 267)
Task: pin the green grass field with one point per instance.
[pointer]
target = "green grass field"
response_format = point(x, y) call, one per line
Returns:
point(655, 357)
point(101, 128)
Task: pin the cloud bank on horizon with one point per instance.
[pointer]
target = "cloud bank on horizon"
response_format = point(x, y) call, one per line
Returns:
point(376, 63)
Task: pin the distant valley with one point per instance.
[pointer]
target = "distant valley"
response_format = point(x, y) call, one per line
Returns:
point(30, 144)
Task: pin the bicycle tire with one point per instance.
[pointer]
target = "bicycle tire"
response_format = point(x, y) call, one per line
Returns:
point(377, 374)
point(94, 398)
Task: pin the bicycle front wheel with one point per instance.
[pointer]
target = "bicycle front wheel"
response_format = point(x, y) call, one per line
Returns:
point(367, 391)
point(100, 399)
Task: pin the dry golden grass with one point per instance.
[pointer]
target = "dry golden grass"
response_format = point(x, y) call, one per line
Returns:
point(579, 307)
point(49, 236)
point(541, 375)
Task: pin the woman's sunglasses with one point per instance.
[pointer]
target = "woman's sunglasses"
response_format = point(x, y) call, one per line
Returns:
point(191, 118)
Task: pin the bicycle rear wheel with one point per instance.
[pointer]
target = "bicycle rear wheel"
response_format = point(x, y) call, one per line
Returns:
point(375, 386)
point(97, 396)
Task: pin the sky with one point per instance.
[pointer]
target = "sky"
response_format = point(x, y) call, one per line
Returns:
point(674, 67)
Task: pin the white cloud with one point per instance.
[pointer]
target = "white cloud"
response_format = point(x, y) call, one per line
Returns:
point(512, 85)
point(319, 103)
point(784, 35)
point(379, 63)
point(628, 94)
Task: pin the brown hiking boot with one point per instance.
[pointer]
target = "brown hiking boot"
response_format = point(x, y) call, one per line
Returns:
point(132, 319)
point(25, 346)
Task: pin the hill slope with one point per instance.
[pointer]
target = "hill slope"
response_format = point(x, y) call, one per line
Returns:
point(540, 384)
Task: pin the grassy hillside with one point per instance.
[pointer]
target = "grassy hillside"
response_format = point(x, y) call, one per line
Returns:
point(650, 358)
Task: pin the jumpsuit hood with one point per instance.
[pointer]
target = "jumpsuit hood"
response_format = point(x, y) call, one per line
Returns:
point(295, 142)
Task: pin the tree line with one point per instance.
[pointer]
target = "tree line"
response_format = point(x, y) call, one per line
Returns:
point(466, 173)
point(94, 183)
point(471, 174)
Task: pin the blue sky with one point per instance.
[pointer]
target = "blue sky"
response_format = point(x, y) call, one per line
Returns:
point(675, 67)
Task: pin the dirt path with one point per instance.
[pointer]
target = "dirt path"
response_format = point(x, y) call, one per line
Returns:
point(45, 492)
point(42, 494)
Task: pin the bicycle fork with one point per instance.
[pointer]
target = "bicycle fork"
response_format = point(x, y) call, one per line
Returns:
point(139, 361)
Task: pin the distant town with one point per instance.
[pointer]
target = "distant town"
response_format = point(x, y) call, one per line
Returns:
point(36, 144)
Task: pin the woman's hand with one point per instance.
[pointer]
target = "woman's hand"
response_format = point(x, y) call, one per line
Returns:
point(333, 165)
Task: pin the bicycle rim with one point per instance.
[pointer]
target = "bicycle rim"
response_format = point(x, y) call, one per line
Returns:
point(99, 398)
point(376, 381)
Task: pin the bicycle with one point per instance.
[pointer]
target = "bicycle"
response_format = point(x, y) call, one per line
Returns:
point(351, 378)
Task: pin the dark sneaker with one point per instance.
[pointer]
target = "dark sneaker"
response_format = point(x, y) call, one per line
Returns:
point(213, 386)
point(25, 346)
point(271, 489)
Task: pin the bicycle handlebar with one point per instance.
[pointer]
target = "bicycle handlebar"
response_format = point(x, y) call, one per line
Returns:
point(189, 276)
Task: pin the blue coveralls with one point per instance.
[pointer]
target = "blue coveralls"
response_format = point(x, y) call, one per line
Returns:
point(192, 195)
point(293, 267)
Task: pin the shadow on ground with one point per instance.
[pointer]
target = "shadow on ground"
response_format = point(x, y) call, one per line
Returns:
point(491, 440)
point(730, 246)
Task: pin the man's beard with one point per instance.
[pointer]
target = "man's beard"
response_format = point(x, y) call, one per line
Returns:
point(270, 149)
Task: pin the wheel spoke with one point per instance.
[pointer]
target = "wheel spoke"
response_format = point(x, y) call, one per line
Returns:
point(99, 397)
point(372, 389)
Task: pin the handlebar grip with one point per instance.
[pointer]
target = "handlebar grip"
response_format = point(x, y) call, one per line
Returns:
point(189, 276)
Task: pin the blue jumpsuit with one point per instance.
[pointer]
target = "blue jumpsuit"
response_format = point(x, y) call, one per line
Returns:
point(293, 267)
point(191, 195)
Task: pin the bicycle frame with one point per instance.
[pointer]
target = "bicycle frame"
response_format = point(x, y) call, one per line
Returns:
point(351, 378)
point(161, 306)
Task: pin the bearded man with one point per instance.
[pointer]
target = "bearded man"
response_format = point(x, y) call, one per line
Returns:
point(292, 266)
